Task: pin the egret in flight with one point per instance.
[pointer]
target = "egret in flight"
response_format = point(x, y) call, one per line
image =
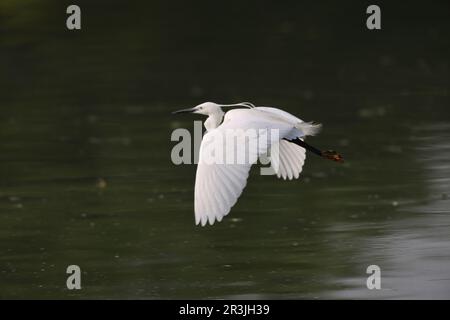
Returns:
point(219, 185)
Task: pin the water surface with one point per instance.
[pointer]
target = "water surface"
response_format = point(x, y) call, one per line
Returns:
point(86, 176)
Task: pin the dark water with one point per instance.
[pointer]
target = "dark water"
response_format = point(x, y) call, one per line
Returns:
point(86, 176)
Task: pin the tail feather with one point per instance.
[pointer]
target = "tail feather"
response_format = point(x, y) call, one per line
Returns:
point(309, 128)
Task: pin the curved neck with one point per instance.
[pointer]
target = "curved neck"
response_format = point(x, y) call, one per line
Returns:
point(214, 120)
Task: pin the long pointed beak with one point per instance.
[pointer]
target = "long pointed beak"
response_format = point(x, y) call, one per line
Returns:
point(189, 110)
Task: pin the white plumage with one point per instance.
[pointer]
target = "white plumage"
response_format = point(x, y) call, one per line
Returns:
point(292, 157)
point(219, 185)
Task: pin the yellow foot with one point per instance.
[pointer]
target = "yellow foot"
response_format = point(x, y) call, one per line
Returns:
point(332, 155)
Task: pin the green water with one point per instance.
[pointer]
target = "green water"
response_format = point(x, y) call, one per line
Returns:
point(86, 176)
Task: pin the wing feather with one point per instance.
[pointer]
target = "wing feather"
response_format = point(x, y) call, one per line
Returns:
point(291, 160)
point(217, 187)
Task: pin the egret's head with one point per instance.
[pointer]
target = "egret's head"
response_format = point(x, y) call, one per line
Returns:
point(210, 108)
point(206, 108)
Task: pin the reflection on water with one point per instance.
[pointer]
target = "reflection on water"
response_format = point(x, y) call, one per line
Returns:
point(85, 167)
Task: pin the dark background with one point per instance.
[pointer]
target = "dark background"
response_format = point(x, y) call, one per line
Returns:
point(179, 52)
point(86, 176)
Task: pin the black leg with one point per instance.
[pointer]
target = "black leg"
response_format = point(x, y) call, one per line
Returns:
point(328, 154)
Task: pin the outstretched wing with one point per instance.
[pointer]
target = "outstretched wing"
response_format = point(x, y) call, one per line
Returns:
point(221, 174)
point(290, 161)
point(219, 185)
point(217, 188)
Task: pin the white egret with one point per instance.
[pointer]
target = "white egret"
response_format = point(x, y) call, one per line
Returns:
point(218, 186)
